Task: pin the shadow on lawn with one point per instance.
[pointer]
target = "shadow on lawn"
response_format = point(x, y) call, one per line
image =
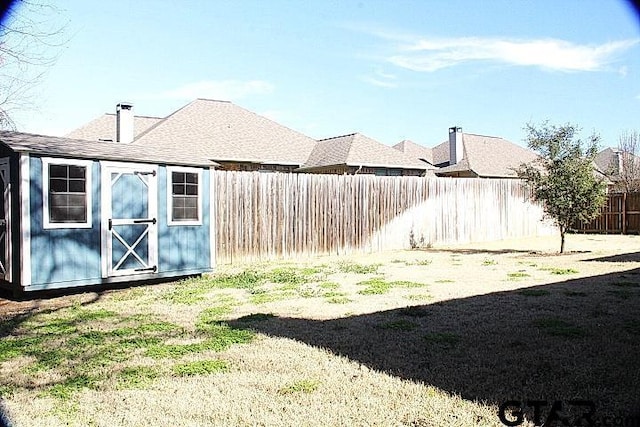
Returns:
point(628, 257)
point(577, 339)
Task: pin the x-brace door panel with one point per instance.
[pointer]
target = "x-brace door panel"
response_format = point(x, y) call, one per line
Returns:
point(130, 220)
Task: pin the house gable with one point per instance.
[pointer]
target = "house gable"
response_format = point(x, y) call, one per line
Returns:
point(360, 152)
point(484, 156)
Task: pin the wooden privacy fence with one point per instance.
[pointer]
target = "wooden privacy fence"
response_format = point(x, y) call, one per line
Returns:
point(261, 216)
point(620, 214)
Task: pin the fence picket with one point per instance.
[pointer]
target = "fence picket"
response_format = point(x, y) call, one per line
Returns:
point(262, 216)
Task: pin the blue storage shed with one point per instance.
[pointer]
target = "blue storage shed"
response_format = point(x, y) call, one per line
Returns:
point(78, 213)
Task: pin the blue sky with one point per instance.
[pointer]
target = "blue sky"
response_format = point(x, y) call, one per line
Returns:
point(391, 70)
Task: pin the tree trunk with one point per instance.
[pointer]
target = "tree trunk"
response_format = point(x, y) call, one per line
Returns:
point(562, 231)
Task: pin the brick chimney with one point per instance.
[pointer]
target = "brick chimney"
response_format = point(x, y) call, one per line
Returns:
point(456, 149)
point(124, 122)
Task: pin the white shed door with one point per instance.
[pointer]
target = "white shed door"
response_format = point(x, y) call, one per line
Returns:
point(129, 219)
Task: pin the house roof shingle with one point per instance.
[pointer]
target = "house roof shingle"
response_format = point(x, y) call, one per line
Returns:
point(417, 151)
point(358, 150)
point(104, 128)
point(486, 156)
point(606, 158)
point(223, 131)
point(76, 148)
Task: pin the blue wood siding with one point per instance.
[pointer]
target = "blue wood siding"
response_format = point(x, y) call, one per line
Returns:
point(183, 247)
point(60, 255)
point(73, 256)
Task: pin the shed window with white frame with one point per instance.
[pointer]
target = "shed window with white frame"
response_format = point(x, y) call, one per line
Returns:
point(66, 193)
point(185, 196)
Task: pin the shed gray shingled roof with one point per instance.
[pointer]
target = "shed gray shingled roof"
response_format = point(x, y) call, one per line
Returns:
point(104, 128)
point(486, 156)
point(417, 151)
point(358, 150)
point(76, 148)
point(223, 131)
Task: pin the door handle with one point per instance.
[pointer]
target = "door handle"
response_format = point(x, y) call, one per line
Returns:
point(144, 221)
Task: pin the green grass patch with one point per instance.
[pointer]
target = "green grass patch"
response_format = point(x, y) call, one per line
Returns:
point(7, 390)
point(518, 275)
point(375, 286)
point(559, 327)
point(352, 267)
point(46, 360)
point(220, 338)
point(139, 377)
point(213, 314)
point(442, 338)
point(302, 386)
point(188, 291)
point(293, 276)
point(399, 325)
point(534, 292)
point(128, 294)
point(200, 367)
point(309, 292)
point(69, 386)
point(407, 284)
point(338, 300)
point(15, 347)
point(246, 279)
point(336, 297)
point(57, 326)
point(419, 262)
point(329, 285)
point(563, 271)
point(419, 297)
point(265, 296)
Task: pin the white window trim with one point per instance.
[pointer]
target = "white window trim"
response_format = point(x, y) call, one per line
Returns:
point(46, 220)
point(198, 172)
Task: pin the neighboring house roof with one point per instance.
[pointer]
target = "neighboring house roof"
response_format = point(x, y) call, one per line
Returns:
point(358, 150)
point(417, 151)
point(104, 128)
point(610, 161)
point(607, 161)
point(223, 131)
point(485, 156)
point(76, 148)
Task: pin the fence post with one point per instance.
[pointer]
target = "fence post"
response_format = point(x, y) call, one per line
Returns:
point(624, 213)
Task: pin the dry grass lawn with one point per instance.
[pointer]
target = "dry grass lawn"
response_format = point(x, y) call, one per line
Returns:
point(434, 337)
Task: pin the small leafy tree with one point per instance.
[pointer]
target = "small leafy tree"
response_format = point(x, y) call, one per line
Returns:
point(564, 178)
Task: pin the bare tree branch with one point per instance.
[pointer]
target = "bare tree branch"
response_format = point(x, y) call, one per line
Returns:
point(627, 169)
point(30, 42)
